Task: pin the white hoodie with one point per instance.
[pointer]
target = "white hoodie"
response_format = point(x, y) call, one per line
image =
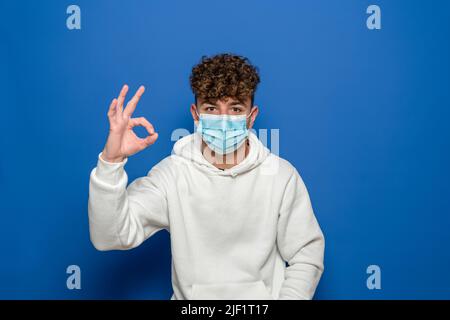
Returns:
point(231, 230)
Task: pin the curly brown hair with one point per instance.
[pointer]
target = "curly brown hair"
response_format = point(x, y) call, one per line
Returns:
point(224, 75)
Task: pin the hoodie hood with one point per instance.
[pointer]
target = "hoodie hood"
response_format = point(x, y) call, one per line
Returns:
point(189, 148)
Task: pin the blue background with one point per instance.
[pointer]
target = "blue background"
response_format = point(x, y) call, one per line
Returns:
point(363, 114)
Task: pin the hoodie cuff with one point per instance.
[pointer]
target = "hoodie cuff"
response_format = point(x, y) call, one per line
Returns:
point(110, 172)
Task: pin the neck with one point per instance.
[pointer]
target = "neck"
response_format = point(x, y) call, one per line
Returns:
point(226, 161)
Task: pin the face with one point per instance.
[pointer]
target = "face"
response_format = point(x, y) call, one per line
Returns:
point(228, 105)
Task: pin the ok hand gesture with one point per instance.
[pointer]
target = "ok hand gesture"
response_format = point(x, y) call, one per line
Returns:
point(122, 141)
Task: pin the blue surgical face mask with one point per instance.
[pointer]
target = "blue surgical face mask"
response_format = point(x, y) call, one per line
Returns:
point(223, 133)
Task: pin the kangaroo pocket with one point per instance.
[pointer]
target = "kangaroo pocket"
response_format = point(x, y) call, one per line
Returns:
point(255, 290)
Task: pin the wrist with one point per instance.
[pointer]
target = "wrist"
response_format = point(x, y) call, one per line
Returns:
point(111, 159)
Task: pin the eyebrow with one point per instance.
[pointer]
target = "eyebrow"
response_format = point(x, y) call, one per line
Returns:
point(233, 101)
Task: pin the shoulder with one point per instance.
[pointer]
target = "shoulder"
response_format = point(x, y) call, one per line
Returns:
point(280, 166)
point(285, 171)
point(165, 166)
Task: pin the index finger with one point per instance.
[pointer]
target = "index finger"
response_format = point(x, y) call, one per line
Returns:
point(131, 105)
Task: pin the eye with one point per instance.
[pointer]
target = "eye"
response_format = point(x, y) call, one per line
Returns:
point(236, 109)
point(210, 108)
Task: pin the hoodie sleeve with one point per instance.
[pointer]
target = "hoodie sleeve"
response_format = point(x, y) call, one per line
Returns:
point(122, 217)
point(300, 241)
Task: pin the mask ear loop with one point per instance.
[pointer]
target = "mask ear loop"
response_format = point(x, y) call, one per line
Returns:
point(198, 120)
point(251, 110)
point(246, 118)
point(196, 111)
point(198, 115)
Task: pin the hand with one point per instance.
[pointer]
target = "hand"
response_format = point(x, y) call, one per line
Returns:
point(122, 141)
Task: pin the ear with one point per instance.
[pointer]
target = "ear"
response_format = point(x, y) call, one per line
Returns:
point(255, 111)
point(194, 112)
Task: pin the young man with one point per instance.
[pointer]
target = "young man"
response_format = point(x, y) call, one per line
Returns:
point(236, 213)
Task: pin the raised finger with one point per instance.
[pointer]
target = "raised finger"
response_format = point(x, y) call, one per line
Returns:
point(121, 98)
point(131, 105)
